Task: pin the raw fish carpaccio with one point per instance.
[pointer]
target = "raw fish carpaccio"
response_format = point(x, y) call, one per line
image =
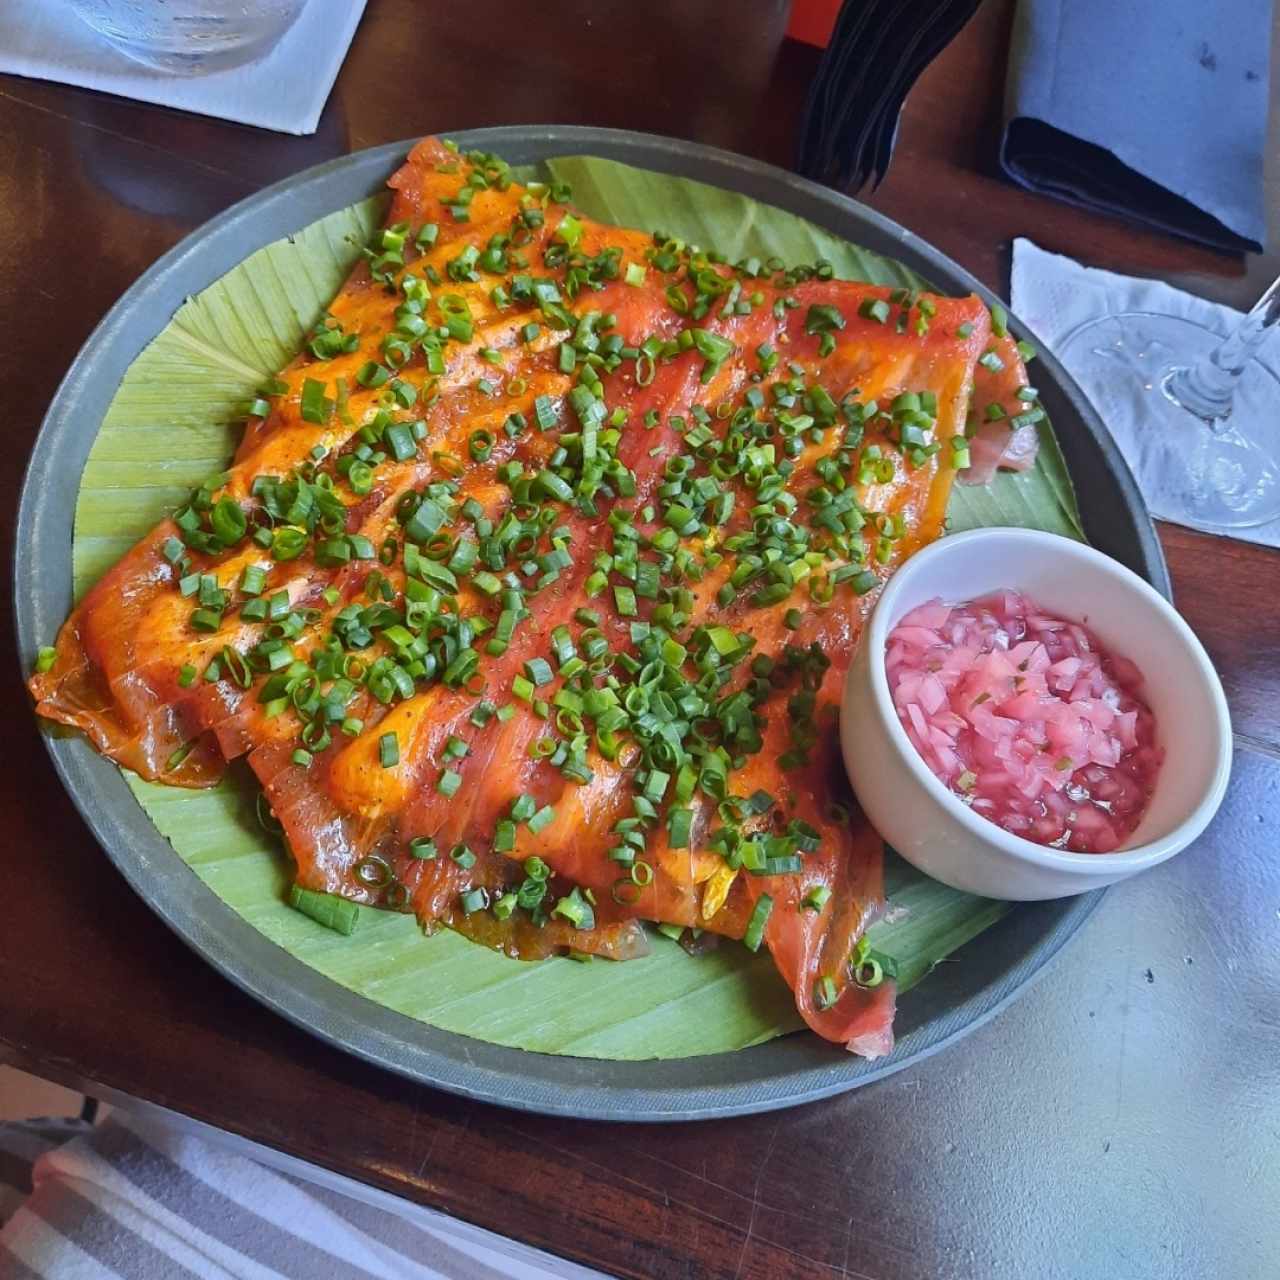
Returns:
point(530, 590)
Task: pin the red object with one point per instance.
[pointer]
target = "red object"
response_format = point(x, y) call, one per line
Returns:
point(813, 21)
point(1028, 718)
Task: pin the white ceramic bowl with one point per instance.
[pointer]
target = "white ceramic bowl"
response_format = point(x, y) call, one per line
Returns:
point(930, 826)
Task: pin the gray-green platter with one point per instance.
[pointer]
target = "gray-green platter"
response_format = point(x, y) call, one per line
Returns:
point(784, 1072)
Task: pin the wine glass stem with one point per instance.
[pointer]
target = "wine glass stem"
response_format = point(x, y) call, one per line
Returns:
point(1206, 387)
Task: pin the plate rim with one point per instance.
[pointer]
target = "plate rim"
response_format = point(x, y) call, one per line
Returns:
point(479, 1070)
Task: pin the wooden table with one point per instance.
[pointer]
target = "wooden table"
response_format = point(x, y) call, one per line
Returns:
point(1121, 1119)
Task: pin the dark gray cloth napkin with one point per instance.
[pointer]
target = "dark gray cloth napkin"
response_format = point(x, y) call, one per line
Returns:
point(1152, 109)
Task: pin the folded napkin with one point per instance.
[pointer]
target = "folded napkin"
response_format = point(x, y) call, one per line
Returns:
point(141, 1195)
point(285, 89)
point(1152, 109)
point(876, 53)
point(1054, 295)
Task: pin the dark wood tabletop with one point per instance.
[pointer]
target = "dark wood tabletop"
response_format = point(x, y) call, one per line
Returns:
point(1121, 1119)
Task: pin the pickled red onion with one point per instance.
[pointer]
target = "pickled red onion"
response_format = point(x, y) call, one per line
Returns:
point(1027, 718)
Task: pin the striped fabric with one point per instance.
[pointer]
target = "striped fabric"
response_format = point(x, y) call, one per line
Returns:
point(21, 1145)
point(133, 1200)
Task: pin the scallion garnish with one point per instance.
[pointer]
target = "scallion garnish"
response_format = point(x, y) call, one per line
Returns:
point(313, 405)
point(338, 914)
point(754, 934)
point(816, 898)
point(474, 900)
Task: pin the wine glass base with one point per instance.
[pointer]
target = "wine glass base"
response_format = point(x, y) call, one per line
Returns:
point(1220, 475)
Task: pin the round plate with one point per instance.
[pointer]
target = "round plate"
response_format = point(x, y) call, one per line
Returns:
point(786, 1071)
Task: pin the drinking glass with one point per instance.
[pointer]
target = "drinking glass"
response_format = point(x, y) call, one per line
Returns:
point(1207, 410)
point(190, 37)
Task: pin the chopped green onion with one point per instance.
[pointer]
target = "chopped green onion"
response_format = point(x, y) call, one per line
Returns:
point(208, 620)
point(288, 543)
point(816, 898)
point(474, 900)
point(576, 910)
point(679, 827)
point(569, 230)
point(823, 318)
point(338, 914)
point(544, 412)
point(542, 818)
point(538, 671)
point(754, 934)
point(313, 404)
point(228, 521)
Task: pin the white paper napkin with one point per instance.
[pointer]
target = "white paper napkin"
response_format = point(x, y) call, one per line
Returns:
point(285, 89)
point(1054, 295)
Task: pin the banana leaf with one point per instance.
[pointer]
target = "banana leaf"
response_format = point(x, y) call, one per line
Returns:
point(168, 427)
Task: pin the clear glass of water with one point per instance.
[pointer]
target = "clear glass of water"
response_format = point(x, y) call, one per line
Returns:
point(190, 37)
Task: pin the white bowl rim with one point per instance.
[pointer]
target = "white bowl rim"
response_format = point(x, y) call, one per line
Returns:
point(1109, 866)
